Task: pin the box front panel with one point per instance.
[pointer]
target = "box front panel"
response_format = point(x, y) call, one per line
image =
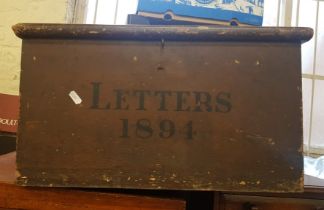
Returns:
point(161, 115)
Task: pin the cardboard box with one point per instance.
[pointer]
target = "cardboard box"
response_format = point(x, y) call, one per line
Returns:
point(186, 108)
point(223, 12)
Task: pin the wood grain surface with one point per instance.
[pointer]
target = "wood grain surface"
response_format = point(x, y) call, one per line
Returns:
point(27, 198)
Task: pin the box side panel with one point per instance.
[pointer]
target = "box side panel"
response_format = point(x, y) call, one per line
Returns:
point(170, 115)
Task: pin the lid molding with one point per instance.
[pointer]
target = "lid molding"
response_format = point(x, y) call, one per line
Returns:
point(167, 33)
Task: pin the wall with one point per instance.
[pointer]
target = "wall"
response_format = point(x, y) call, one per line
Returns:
point(18, 11)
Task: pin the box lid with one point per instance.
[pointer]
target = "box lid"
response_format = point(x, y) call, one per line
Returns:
point(158, 33)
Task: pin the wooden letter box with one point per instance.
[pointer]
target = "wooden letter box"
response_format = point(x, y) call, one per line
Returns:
point(197, 108)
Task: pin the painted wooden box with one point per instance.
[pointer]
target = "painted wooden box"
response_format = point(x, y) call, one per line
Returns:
point(185, 108)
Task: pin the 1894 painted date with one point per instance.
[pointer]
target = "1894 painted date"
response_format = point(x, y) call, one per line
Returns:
point(164, 129)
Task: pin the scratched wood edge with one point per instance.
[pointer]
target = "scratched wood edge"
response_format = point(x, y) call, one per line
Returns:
point(289, 186)
point(158, 33)
point(309, 193)
point(266, 200)
point(16, 197)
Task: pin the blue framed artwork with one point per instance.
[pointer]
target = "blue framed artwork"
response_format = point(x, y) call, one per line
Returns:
point(240, 12)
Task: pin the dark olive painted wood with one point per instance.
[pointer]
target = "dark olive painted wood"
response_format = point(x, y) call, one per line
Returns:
point(221, 113)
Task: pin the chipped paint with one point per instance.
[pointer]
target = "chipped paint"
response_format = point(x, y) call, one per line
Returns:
point(242, 183)
point(269, 140)
point(106, 178)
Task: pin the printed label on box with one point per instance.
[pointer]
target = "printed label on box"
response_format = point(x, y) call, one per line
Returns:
point(9, 108)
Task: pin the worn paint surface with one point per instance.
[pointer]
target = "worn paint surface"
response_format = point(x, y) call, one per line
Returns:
point(161, 114)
